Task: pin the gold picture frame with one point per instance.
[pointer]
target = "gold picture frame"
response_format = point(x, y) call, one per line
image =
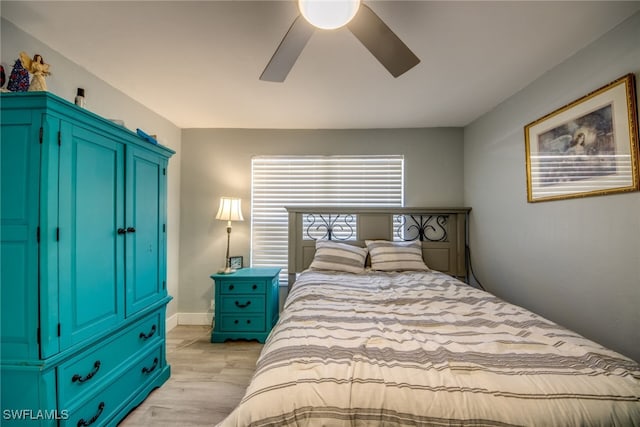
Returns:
point(586, 148)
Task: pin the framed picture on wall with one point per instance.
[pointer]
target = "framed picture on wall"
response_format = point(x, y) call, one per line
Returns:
point(586, 148)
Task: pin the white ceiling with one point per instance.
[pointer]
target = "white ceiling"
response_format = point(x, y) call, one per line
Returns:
point(197, 63)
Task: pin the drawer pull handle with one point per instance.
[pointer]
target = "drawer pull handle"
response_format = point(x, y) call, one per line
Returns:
point(80, 379)
point(122, 231)
point(235, 322)
point(144, 336)
point(248, 321)
point(131, 230)
point(83, 423)
point(146, 370)
point(231, 287)
point(243, 305)
point(254, 287)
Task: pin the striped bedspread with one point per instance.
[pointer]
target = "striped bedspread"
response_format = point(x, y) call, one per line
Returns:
point(424, 349)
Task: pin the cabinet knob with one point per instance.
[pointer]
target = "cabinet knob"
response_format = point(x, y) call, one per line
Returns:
point(231, 287)
point(254, 287)
point(131, 230)
point(121, 231)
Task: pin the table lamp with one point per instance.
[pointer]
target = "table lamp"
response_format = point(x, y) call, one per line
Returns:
point(229, 210)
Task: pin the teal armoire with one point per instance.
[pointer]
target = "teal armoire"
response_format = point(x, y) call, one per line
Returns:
point(83, 249)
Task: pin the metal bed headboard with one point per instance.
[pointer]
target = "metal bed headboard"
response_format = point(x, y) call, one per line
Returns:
point(443, 232)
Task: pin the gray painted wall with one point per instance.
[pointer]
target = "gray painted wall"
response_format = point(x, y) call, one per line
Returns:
point(577, 261)
point(108, 102)
point(219, 164)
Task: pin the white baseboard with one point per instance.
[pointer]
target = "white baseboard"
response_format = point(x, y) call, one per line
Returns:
point(190, 319)
point(171, 322)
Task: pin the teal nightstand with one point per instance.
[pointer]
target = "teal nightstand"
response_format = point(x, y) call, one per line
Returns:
point(246, 304)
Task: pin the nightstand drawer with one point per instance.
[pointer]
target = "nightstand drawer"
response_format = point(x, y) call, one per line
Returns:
point(231, 323)
point(243, 287)
point(242, 304)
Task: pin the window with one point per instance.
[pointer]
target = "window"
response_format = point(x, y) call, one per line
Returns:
point(279, 181)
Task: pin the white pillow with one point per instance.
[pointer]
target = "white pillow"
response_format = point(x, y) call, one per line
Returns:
point(396, 256)
point(336, 256)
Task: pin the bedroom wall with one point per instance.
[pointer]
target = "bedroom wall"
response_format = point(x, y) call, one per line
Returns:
point(219, 164)
point(576, 261)
point(109, 102)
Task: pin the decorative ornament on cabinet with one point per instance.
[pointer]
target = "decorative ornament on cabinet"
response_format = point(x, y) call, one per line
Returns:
point(38, 68)
point(3, 79)
point(79, 100)
point(19, 78)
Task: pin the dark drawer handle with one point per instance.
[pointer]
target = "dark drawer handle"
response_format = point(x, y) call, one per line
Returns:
point(231, 287)
point(247, 304)
point(83, 423)
point(237, 321)
point(131, 230)
point(146, 370)
point(144, 336)
point(254, 287)
point(80, 379)
point(122, 231)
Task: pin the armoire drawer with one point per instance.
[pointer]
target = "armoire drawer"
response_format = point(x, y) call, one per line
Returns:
point(83, 373)
point(104, 404)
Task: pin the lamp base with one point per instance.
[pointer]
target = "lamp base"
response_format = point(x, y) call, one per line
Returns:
point(227, 270)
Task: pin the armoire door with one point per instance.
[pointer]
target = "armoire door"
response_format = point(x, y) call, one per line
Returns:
point(146, 225)
point(19, 208)
point(92, 234)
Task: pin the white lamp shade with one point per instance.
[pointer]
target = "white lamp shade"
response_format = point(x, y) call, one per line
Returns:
point(328, 14)
point(230, 209)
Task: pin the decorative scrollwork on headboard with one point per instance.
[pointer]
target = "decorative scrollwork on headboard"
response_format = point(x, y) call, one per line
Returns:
point(431, 228)
point(443, 231)
point(329, 226)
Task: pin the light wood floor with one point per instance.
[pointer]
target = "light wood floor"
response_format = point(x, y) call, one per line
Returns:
point(207, 380)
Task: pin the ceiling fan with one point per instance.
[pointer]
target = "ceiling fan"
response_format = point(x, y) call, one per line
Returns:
point(372, 32)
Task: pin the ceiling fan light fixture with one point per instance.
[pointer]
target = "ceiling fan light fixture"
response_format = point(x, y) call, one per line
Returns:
point(328, 14)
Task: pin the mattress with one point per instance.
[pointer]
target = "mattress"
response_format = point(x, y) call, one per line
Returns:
point(424, 349)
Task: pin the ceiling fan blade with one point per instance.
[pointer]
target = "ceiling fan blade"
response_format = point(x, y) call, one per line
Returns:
point(376, 36)
point(288, 51)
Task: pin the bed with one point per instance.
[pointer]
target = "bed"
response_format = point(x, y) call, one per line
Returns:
point(393, 343)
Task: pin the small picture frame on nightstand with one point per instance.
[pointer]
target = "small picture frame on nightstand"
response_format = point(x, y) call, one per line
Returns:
point(235, 262)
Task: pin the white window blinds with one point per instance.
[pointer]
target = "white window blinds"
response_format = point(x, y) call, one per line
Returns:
point(279, 181)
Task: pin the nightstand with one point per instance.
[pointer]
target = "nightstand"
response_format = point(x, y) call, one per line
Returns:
point(246, 304)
